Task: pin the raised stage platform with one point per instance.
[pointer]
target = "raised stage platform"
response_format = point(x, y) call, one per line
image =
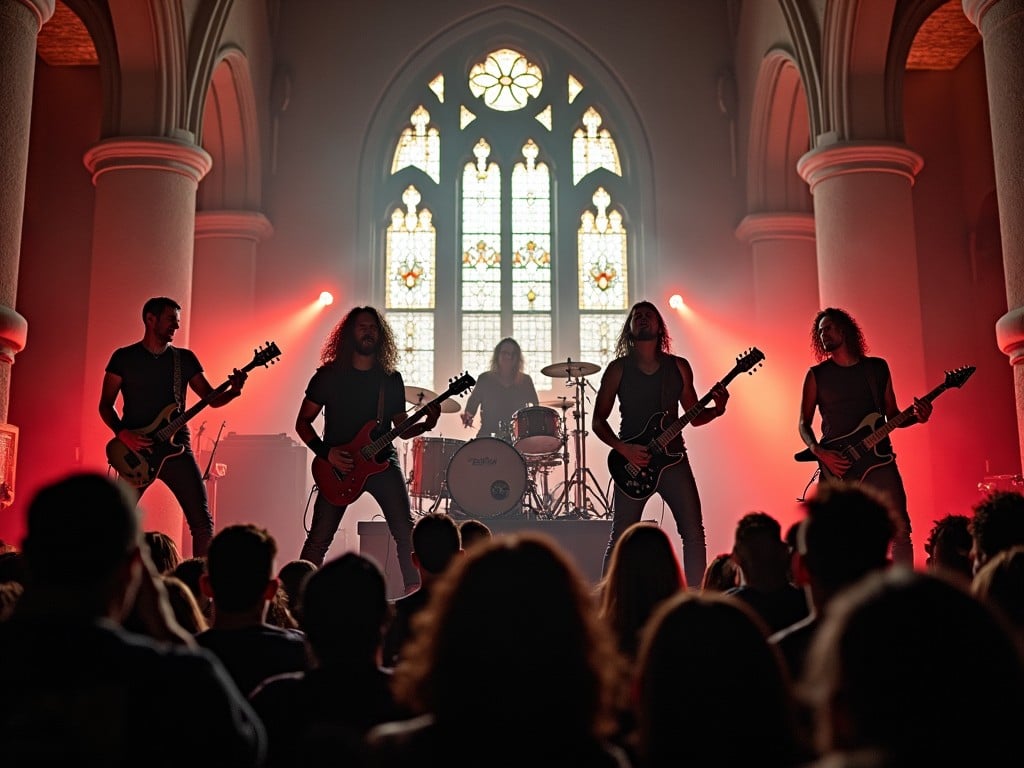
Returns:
point(583, 540)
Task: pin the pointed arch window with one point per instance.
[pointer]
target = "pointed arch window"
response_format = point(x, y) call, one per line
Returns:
point(506, 215)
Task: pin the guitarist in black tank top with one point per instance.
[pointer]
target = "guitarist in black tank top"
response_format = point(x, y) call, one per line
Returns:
point(845, 387)
point(647, 379)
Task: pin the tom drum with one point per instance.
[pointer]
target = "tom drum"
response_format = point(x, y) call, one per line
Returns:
point(535, 430)
point(486, 477)
point(430, 457)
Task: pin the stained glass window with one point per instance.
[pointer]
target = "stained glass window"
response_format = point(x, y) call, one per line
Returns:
point(593, 147)
point(602, 247)
point(437, 86)
point(419, 146)
point(481, 233)
point(411, 241)
point(574, 88)
point(505, 79)
point(414, 337)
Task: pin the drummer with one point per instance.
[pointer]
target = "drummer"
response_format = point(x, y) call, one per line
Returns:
point(500, 392)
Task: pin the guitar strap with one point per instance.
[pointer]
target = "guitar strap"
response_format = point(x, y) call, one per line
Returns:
point(178, 399)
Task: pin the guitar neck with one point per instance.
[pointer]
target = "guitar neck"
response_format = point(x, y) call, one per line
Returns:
point(900, 419)
point(175, 424)
point(670, 432)
point(372, 449)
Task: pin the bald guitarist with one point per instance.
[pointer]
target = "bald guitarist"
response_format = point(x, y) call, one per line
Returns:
point(846, 386)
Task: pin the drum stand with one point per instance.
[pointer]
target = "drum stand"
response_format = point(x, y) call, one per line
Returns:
point(583, 508)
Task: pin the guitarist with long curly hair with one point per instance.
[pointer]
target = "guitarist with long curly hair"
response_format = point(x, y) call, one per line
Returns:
point(362, 395)
point(848, 387)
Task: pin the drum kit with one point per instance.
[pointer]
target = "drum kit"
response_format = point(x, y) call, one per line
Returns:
point(508, 473)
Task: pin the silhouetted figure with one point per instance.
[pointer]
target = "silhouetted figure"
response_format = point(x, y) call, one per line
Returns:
point(80, 690)
point(997, 524)
point(473, 531)
point(1000, 584)
point(764, 563)
point(710, 690)
point(185, 606)
point(191, 570)
point(721, 575)
point(949, 547)
point(326, 711)
point(293, 575)
point(162, 551)
point(509, 666)
point(908, 669)
point(240, 580)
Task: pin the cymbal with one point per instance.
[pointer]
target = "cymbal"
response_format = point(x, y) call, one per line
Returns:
point(560, 402)
point(420, 396)
point(570, 369)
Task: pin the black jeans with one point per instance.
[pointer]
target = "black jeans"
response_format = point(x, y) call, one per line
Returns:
point(182, 476)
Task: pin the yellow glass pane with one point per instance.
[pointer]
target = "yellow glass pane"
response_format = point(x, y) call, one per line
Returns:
point(465, 117)
point(544, 117)
point(414, 337)
point(575, 86)
point(419, 146)
point(602, 247)
point(593, 147)
point(437, 86)
point(505, 79)
point(410, 246)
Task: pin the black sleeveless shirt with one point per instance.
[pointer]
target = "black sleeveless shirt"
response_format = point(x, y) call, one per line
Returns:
point(641, 395)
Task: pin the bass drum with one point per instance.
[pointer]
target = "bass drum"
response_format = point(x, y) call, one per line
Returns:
point(430, 457)
point(486, 477)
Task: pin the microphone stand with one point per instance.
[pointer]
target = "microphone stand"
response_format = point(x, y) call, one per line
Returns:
point(216, 476)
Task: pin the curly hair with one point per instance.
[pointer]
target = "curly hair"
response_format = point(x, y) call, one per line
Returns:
point(625, 342)
point(340, 343)
point(517, 350)
point(851, 332)
point(998, 522)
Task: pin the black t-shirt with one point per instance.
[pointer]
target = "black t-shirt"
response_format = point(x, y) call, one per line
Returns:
point(846, 394)
point(147, 382)
point(350, 397)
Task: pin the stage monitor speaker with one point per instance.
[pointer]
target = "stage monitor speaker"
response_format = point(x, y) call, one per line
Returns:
point(266, 482)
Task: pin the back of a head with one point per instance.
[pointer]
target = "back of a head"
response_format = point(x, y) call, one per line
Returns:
point(913, 665)
point(190, 570)
point(473, 531)
point(758, 548)
point(846, 534)
point(1000, 583)
point(949, 546)
point(239, 564)
point(643, 570)
point(162, 551)
point(514, 616)
point(344, 609)
point(721, 574)
point(80, 530)
point(435, 541)
point(998, 523)
point(293, 575)
point(713, 647)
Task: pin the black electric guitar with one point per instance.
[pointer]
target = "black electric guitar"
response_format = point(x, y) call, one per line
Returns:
point(864, 447)
point(140, 468)
point(641, 482)
point(342, 488)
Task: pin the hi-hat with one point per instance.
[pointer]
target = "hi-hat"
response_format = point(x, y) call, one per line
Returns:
point(419, 397)
point(560, 402)
point(569, 369)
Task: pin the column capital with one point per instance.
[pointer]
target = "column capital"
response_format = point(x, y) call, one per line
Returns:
point(782, 225)
point(833, 160)
point(976, 10)
point(251, 225)
point(41, 9)
point(1010, 335)
point(147, 153)
point(13, 334)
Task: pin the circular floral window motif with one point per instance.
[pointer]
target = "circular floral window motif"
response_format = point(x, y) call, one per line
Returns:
point(505, 79)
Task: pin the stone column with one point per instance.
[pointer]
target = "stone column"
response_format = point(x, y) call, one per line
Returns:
point(143, 241)
point(867, 265)
point(1001, 23)
point(20, 22)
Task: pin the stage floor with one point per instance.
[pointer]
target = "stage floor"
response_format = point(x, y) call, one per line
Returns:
point(583, 540)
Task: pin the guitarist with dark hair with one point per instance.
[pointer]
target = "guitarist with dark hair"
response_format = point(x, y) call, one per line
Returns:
point(846, 386)
point(361, 395)
point(150, 375)
point(647, 379)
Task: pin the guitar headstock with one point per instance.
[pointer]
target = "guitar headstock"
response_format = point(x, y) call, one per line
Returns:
point(458, 385)
point(266, 355)
point(750, 360)
point(959, 376)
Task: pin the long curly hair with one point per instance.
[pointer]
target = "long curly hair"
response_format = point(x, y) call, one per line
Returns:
point(851, 332)
point(624, 344)
point(341, 342)
point(517, 350)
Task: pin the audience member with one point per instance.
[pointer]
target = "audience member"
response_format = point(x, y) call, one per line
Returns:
point(80, 690)
point(1000, 584)
point(328, 709)
point(279, 614)
point(949, 547)
point(191, 570)
point(185, 606)
point(509, 666)
point(12, 566)
point(721, 574)
point(10, 592)
point(162, 551)
point(435, 543)
point(764, 565)
point(997, 524)
point(846, 534)
point(908, 669)
point(473, 531)
point(710, 690)
point(239, 579)
point(643, 571)
point(292, 576)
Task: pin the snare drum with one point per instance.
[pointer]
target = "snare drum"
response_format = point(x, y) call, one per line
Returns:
point(486, 477)
point(430, 457)
point(535, 430)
